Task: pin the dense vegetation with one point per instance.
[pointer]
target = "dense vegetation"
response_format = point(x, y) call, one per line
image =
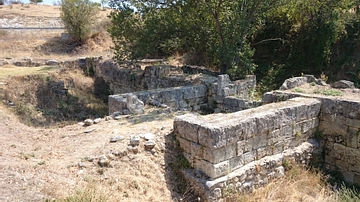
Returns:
point(273, 39)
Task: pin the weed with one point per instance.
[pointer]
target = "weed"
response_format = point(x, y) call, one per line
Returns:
point(312, 84)
point(347, 194)
point(13, 146)
point(330, 92)
point(298, 90)
point(323, 77)
point(101, 171)
point(318, 134)
point(298, 134)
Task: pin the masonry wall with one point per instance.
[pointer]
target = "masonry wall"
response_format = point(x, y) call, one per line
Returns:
point(339, 127)
point(221, 143)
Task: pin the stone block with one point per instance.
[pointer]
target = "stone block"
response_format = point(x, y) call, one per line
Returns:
point(187, 126)
point(262, 152)
point(215, 155)
point(213, 170)
point(249, 127)
point(233, 132)
point(277, 148)
point(212, 137)
point(353, 122)
point(333, 128)
point(200, 91)
point(248, 145)
point(241, 147)
point(185, 144)
point(189, 93)
point(249, 156)
point(286, 131)
point(352, 138)
point(236, 162)
point(260, 140)
point(265, 122)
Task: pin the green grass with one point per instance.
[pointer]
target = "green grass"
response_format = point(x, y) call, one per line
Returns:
point(298, 90)
point(330, 92)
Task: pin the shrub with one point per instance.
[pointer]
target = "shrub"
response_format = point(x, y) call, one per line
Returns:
point(78, 17)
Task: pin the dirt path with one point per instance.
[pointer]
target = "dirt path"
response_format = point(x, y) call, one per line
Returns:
point(39, 164)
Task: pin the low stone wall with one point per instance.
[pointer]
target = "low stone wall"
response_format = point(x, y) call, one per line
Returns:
point(339, 127)
point(191, 98)
point(222, 145)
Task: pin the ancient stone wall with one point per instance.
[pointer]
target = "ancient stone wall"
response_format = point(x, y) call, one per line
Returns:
point(247, 148)
point(339, 127)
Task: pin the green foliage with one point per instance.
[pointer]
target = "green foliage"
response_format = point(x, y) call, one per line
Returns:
point(216, 31)
point(299, 36)
point(36, 1)
point(78, 17)
point(331, 92)
point(348, 194)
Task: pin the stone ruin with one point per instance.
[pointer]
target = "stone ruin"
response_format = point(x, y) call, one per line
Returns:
point(242, 144)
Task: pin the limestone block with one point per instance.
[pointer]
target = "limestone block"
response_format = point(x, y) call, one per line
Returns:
point(249, 127)
point(279, 171)
point(223, 81)
point(233, 132)
point(201, 100)
point(183, 104)
point(329, 160)
point(286, 131)
point(191, 102)
point(287, 116)
point(236, 162)
point(352, 122)
point(277, 148)
point(301, 113)
point(219, 155)
point(260, 140)
point(178, 94)
point(241, 147)
point(310, 124)
point(352, 138)
point(185, 144)
point(200, 91)
point(265, 121)
point(189, 93)
point(274, 137)
point(133, 104)
point(249, 156)
point(187, 126)
point(213, 170)
point(333, 128)
point(212, 137)
point(328, 105)
point(313, 110)
point(262, 152)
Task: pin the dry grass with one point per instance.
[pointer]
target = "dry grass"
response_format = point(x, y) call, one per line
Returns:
point(47, 44)
point(299, 184)
point(10, 70)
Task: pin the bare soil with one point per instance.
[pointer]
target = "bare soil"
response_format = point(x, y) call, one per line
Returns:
point(39, 164)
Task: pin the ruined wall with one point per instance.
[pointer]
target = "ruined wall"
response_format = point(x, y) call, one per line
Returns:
point(236, 148)
point(190, 98)
point(193, 97)
point(339, 128)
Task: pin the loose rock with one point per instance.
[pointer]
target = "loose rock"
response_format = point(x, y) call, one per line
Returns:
point(103, 161)
point(134, 149)
point(150, 144)
point(97, 120)
point(343, 84)
point(88, 122)
point(134, 140)
point(117, 138)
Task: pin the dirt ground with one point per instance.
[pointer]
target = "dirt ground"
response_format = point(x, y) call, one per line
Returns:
point(39, 164)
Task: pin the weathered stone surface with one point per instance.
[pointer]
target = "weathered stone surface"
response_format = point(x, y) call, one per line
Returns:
point(150, 144)
point(293, 82)
point(343, 84)
point(134, 140)
point(134, 105)
point(88, 122)
point(103, 161)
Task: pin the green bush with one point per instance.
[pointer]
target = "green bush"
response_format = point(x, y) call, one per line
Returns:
point(78, 17)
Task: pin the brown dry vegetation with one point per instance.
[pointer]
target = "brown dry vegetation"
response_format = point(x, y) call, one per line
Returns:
point(47, 44)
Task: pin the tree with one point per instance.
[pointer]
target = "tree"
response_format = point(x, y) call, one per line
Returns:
point(218, 30)
point(36, 1)
point(78, 17)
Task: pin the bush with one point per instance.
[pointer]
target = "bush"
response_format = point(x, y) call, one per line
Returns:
point(78, 17)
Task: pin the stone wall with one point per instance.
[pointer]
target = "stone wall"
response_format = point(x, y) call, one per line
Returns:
point(193, 97)
point(190, 98)
point(237, 146)
point(339, 127)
